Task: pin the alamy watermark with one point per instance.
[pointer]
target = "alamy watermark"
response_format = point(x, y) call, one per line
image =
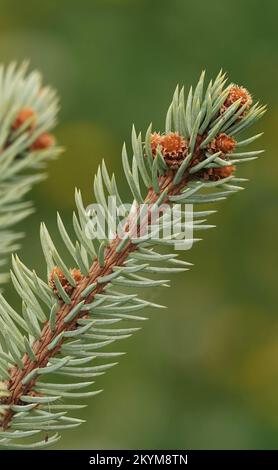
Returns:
point(172, 224)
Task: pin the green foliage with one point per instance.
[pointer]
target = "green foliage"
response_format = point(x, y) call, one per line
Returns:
point(105, 300)
point(18, 92)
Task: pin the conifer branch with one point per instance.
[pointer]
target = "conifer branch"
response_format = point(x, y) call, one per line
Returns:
point(27, 112)
point(64, 320)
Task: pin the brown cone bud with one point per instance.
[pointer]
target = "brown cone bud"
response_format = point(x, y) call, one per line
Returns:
point(76, 274)
point(235, 93)
point(222, 143)
point(173, 147)
point(155, 141)
point(44, 141)
point(22, 116)
point(215, 174)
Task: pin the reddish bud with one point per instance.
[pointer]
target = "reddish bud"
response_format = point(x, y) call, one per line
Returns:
point(222, 143)
point(76, 274)
point(235, 93)
point(173, 146)
point(44, 141)
point(155, 141)
point(22, 116)
point(215, 174)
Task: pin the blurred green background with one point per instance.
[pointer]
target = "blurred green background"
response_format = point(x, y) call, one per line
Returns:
point(204, 373)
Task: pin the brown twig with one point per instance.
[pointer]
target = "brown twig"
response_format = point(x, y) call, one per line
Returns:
point(40, 349)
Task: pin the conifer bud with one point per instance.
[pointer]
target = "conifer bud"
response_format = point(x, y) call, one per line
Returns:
point(22, 116)
point(222, 143)
point(237, 92)
point(68, 288)
point(173, 147)
point(44, 141)
point(215, 174)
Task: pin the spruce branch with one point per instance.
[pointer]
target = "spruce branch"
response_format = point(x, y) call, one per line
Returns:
point(27, 112)
point(75, 312)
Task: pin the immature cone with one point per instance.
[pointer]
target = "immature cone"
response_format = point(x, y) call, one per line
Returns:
point(215, 174)
point(44, 141)
point(222, 143)
point(235, 93)
point(155, 141)
point(76, 274)
point(173, 147)
point(22, 116)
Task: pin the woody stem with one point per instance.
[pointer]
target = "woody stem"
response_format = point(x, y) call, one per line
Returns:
point(15, 384)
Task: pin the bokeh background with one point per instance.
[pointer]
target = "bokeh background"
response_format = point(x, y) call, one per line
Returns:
point(204, 373)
